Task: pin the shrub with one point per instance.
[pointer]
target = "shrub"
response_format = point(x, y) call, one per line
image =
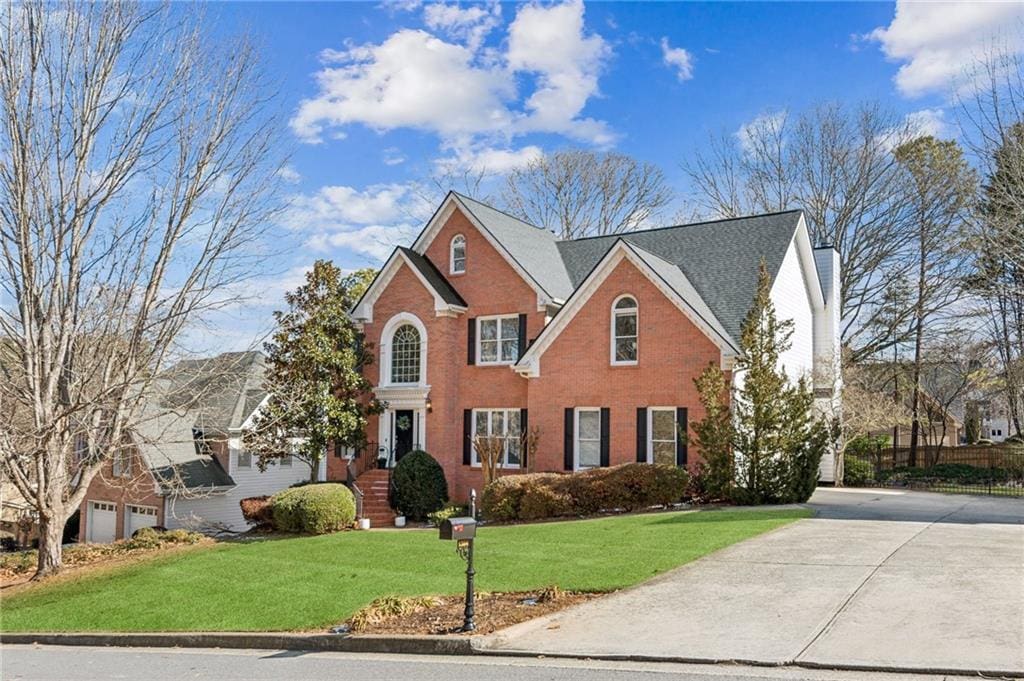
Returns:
point(314, 509)
point(549, 495)
point(984, 442)
point(1015, 440)
point(437, 517)
point(418, 485)
point(857, 472)
point(257, 511)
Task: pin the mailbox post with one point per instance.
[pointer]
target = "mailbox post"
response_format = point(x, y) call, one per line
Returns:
point(463, 531)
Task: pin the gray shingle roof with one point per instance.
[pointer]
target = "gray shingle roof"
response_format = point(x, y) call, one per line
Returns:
point(719, 258)
point(221, 391)
point(167, 444)
point(535, 249)
point(434, 276)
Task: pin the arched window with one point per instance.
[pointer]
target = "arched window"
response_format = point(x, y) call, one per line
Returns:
point(624, 330)
point(405, 355)
point(458, 255)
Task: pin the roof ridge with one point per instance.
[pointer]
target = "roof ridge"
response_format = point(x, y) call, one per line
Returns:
point(687, 224)
point(502, 211)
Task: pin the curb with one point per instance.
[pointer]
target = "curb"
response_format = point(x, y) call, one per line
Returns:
point(410, 645)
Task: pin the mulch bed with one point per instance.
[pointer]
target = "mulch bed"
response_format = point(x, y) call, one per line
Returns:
point(494, 611)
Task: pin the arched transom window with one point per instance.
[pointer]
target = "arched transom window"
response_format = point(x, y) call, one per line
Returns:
point(458, 256)
point(405, 355)
point(624, 330)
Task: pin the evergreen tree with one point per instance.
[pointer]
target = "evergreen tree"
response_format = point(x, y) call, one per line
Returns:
point(713, 435)
point(317, 391)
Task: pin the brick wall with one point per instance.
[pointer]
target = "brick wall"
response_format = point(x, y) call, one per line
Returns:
point(134, 488)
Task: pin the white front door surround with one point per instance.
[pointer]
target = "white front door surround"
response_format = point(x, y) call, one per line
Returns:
point(401, 399)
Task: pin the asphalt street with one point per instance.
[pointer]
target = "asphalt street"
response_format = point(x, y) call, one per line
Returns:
point(60, 663)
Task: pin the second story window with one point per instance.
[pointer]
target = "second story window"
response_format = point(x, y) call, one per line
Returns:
point(498, 340)
point(624, 330)
point(458, 255)
point(405, 355)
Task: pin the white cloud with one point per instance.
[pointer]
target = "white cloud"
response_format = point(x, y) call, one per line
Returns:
point(393, 156)
point(470, 25)
point(369, 222)
point(929, 122)
point(289, 174)
point(766, 124)
point(487, 160)
point(678, 59)
point(937, 42)
point(459, 90)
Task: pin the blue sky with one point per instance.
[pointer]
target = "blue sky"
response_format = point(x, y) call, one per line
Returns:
point(380, 96)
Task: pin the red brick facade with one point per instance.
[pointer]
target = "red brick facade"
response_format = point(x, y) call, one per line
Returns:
point(576, 368)
point(136, 487)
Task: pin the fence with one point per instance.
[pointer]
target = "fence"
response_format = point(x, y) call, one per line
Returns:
point(995, 470)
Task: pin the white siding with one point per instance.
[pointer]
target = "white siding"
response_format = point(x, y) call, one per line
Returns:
point(221, 511)
point(792, 301)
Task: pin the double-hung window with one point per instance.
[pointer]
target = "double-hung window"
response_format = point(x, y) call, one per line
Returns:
point(624, 331)
point(244, 459)
point(588, 437)
point(498, 340)
point(502, 428)
point(661, 435)
point(458, 255)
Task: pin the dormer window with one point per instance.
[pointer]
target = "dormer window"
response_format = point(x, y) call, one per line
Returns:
point(624, 331)
point(458, 255)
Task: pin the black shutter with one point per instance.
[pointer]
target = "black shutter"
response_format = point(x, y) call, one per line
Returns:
point(682, 430)
point(522, 336)
point(467, 432)
point(471, 341)
point(641, 434)
point(524, 429)
point(568, 438)
point(605, 432)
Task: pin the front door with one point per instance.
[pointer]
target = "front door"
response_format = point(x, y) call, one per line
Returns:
point(404, 431)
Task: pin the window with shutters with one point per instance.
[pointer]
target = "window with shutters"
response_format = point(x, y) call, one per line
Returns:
point(624, 331)
point(588, 437)
point(458, 255)
point(503, 424)
point(661, 435)
point(497, 340)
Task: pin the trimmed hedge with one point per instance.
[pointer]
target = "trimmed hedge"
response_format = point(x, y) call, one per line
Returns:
point(314, 509)
point(628, 487)
point(419, 487)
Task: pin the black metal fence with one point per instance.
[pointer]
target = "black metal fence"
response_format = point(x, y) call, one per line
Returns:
point(997, 470)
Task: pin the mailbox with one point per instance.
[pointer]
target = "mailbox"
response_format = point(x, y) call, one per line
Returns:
point(458, 528)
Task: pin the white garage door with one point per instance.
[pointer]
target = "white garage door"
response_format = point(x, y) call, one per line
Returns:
point(102, 527)
point(138, 516)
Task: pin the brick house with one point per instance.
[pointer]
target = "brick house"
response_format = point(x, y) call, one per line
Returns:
point(489, 325)
point(186, 466)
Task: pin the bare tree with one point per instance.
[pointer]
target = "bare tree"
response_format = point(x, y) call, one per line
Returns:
point(581, 193)
point(991, 118)
point(135, 180)
point(835, 162)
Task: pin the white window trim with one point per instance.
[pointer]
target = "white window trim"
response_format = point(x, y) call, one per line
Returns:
point(451, 255)
point(475, 459)
point(128, 509)
point(635, 311)
point(650, 429)
point(387, 334)
point(500, 317)
point(576, 436)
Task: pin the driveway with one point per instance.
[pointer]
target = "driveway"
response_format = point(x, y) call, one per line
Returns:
point(879, 579)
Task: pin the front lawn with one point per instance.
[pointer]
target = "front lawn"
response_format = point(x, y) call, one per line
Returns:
point(308, 583)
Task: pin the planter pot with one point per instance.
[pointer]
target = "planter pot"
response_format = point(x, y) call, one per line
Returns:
point(400, 521)
point(364, 523)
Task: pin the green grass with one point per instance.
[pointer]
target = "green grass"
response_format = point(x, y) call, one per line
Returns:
point(312, 582)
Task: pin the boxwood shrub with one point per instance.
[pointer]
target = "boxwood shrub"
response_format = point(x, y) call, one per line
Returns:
point(314, 509)
point(627, 487)
point(418, 485)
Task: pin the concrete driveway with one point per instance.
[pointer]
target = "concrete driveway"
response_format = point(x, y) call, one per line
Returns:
point(878, 579)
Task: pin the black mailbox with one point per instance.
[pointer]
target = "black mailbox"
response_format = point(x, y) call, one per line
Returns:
point(458, 528)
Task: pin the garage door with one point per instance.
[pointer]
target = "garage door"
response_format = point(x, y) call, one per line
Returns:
point(102, 520)
point(138, 516)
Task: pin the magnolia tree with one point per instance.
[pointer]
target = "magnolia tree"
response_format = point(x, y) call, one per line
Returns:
point(136, 177)
point(317, 391)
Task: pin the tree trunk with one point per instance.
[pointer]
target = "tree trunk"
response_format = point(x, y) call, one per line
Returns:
point(314, 470)
point(51, 534)
point(915, 400)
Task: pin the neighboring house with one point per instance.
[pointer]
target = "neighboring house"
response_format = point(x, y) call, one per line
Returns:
point(945, 388)
point(186, 466)
point(995, 419)
point(489, 325)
